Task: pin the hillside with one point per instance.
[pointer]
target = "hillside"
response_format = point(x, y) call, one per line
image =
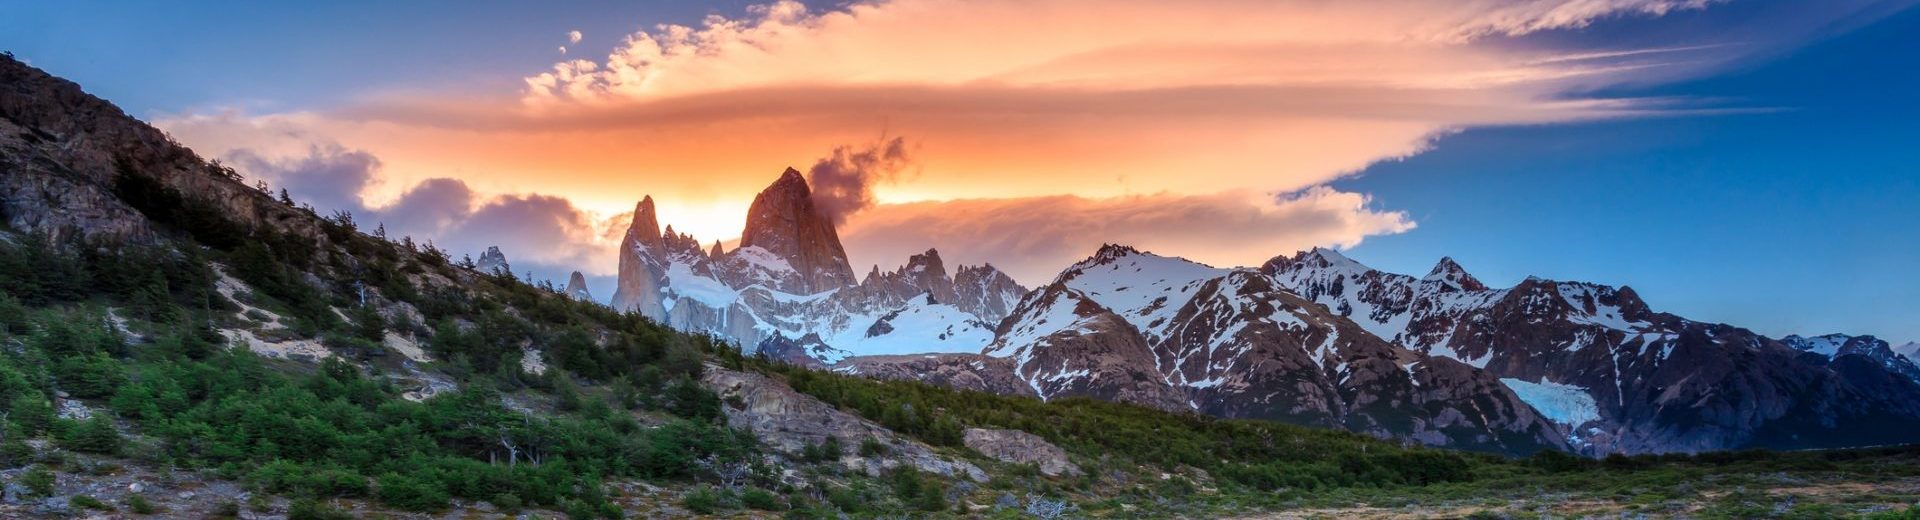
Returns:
point(178, 343)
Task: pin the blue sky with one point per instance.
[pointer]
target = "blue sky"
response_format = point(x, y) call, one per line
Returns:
point(1802, 219)
point(1795, 213)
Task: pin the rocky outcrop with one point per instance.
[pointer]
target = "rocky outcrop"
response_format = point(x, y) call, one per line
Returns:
point(788, 421)
point(65, 153)
point(577, 287)
point(1018, 447)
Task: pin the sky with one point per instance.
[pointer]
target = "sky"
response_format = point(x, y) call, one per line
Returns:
point(1749, 162)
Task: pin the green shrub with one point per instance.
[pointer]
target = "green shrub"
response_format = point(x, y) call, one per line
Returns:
point(138, 504)
point(88, 502)
point(703, 501)
point(15, 452)
point(412, 493)
point(507, 502)
point(38, 481)
point(310, 509)
point(760, 499)
point(95, 435)
point(871, 447)
point(32, 413)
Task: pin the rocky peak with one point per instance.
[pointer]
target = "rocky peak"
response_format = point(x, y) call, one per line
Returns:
point(1449, 273)
point(1325, 258)
point(986, 292)
point(784, 221)
point(716, 252)
point(1111, 252)
point(645, 229)
point(925, 266)
point(1316, 259)
point(492, 261)
point(577, 287)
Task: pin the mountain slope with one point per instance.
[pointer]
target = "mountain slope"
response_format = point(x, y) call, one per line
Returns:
point(1172, 334)
point(1658, 382)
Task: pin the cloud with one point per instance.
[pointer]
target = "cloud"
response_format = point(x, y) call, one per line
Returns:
point(843, 182)
point(1032, 239)
point(573, 37)
point(1017, 100)
point(543, 233)
point(328, 176)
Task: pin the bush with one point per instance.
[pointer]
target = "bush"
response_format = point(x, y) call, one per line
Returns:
point(139, 505)
point(507, 503)
point(96, 435)
point(411, 493)
point(310, 509)
point(760, 499)
point(702, 501)
point(32, 413)
point(871, 447)
point(15, 452)
point(88, 502)
point(38, 481)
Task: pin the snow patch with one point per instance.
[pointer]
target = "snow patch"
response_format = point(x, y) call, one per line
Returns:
point(1565, 404)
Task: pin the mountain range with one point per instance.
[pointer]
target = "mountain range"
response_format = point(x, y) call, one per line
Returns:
point(1310, 338)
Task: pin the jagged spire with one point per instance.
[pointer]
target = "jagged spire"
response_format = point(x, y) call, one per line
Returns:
point(646, 226)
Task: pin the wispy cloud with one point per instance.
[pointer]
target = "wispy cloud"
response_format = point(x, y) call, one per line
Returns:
point(1025, 101)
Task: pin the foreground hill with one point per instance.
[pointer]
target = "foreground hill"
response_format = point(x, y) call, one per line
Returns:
point(176, 343)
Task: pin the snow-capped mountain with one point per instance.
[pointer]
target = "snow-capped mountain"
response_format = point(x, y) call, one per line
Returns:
point(1620, 376)
point(1311, 338)
point(1911, 350)
point(1832, 347)
point(1166, 332)
point(789, 292)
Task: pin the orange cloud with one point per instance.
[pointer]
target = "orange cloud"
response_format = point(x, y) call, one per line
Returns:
point(1027, 100)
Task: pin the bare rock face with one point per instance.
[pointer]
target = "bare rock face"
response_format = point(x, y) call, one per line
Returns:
point(784, 222)
point(1018, 447)
point(63, 153)
point(641, 270)
point(789, 421)
point(577, 287)
point(986, 292)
